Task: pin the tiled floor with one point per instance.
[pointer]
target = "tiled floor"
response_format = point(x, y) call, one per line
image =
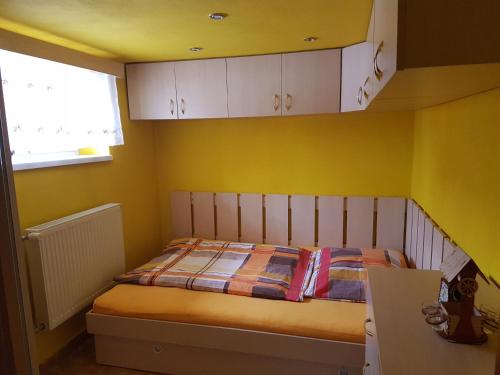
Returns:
point(80, 360)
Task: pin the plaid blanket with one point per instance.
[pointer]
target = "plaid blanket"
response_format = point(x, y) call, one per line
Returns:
point(265, 271)
point(340, 274)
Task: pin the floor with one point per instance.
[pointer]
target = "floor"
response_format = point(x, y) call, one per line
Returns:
point(80, 360)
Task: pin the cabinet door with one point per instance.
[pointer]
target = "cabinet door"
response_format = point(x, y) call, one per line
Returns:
point(311, 82)
point(369, 78)
point(385, 42)
point(357, 73)
point(254, 86)
point(201, 88)
point(151, 91)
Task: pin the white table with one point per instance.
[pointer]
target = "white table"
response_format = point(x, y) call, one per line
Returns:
point(400, 342)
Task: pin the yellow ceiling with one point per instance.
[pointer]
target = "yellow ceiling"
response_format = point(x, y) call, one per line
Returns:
point(149, 30)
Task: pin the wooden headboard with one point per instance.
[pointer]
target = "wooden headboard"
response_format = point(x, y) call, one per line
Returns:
point(308, 220)
point(426, 244)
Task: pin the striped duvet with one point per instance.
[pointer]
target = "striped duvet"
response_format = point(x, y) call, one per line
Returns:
point(266, 271)
point(340, 273)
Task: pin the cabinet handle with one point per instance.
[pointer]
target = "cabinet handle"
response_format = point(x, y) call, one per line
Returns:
point(365, 90)
point(183, 106)
point(288, 103)
point(276, 102)
point(365, 367)
point(376, 68)
point(171, 106)
point(359, 97)
point(368, 320)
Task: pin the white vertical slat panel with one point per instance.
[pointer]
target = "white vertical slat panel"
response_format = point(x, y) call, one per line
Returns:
point(252, 227)
point(448, 248)
point(409, 218)
point(437, 249)
point(276, 219)
point(414, 226)
point(360, 222)
point(420, 240)
point(203, 215)
point(330, 221)
point(390, 223)
point(428, 235)
point(180, 209)
point(303, 219)
point(227, 216)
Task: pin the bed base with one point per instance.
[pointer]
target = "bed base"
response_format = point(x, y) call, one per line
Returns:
point(182, 348)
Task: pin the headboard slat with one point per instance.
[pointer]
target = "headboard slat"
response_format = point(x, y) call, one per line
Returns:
point(409, 226)
point(303, 217)
point(227, 216)
point(203, 215)
point(437, 249)
point(251, 224)
point(448, 248)
point(330, 221)
point(428, 235)
point(390, 223)
point(420, 240)
point(360, 222)
point(276, 219)
point(414, 234)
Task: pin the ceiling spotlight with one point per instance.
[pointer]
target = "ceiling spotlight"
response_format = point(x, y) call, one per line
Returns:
point(196, 49)
point(217, 16)
point(310, 39)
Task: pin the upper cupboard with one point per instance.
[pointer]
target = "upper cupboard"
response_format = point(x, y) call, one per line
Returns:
point(420, 53)
point(151, 91)
point(177, 90)
point(266, 85)
point(416, 54)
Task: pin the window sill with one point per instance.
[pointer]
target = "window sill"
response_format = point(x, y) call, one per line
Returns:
point(80, 159)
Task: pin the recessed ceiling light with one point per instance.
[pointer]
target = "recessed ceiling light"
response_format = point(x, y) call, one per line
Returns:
point(217, 16)
point(196, 49)
point(310, 39)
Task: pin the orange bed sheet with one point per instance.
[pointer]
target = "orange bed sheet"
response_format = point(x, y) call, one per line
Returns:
point(331, 320)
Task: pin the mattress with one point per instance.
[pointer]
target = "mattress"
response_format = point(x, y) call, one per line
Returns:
point(331, 320)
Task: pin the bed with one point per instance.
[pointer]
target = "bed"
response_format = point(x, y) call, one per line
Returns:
point(179, 331)
point(230, 305)
point(204, 332)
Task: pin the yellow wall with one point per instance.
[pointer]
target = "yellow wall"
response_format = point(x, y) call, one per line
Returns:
point(352, 154)
point(130, 179)
point(456, 173)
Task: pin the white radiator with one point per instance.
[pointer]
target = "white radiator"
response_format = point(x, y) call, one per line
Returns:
point(72, 260)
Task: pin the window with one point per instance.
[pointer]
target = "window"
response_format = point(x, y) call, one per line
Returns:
point(55, 110)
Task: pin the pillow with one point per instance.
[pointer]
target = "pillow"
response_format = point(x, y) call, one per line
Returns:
point(340, 274)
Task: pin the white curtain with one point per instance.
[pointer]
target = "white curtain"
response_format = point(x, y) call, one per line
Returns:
point(52, 107)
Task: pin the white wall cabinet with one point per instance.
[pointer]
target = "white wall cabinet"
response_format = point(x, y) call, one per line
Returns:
point(254, 86)
point(422, 56)
point(201, 88)
point(413, 70)
point(356, 77)
point(357, 73)
point(311, 82)
point(151, 91)
point(385, 41)
point(266, 85)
